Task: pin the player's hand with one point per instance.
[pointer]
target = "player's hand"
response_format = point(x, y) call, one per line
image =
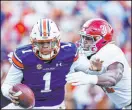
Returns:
point(80, 78)
point(10, 57)
point(14, 97)
point(96, 65)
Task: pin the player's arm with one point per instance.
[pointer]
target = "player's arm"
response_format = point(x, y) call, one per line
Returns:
point(111, 77)
point(13, 77)
point(94, 67)
point(14, 74)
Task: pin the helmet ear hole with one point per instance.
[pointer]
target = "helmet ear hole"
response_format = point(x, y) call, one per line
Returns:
point(97, 38)
point(55, 52)
point(104, 42)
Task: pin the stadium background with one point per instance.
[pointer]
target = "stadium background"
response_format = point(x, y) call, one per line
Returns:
point(18, 17)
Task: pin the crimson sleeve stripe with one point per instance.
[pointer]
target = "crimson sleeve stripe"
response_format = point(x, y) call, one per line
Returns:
point(17, 62)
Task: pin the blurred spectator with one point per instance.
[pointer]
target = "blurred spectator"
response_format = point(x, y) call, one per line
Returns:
point(2, 17)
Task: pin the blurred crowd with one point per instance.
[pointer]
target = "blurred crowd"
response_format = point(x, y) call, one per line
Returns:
point(18, 17)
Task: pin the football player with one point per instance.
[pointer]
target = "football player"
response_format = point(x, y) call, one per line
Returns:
point(105, 62)
point(41, 65)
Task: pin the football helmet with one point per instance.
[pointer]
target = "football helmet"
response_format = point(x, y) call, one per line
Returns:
point(95, 34)
point(45, 39)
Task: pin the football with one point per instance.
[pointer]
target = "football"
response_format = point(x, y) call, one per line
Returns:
point(25, 94)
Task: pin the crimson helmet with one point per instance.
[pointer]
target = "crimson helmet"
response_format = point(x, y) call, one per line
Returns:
point(99, 32)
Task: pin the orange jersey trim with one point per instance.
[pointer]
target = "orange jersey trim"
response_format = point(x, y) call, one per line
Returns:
point(110, 90)
point(17, 62)
point(73, 87)
point(70, 87)
point(76, 58)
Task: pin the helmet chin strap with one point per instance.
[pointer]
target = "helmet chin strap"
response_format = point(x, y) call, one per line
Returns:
point(88, 53)
point(48, 56)
point(92, 51)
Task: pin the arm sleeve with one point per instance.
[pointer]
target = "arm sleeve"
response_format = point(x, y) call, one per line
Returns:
point(80, 64)
point(72, 69)
point(13, 77)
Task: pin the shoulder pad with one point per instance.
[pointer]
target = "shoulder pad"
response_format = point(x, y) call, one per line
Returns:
point(19, 55)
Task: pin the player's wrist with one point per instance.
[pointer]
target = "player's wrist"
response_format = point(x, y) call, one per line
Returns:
point(5, 90)
point(93, 72)
point(93, 79)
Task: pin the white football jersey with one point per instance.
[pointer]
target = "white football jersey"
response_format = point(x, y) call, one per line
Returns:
point(81, 64)
point(120, 94)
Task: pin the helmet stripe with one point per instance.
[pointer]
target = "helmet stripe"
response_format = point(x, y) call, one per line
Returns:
point(44, 27)
point(48, 28)
point(40, 28)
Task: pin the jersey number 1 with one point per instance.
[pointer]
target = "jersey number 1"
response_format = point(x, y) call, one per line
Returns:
point(47, 78)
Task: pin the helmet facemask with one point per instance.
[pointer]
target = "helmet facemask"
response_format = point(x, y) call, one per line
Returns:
point(88, 44)
point(45, 39)
point(47, 49)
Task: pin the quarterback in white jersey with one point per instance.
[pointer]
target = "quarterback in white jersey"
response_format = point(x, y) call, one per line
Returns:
point(109, 66)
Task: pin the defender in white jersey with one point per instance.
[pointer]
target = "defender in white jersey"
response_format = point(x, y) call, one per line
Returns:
point(109, 67)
